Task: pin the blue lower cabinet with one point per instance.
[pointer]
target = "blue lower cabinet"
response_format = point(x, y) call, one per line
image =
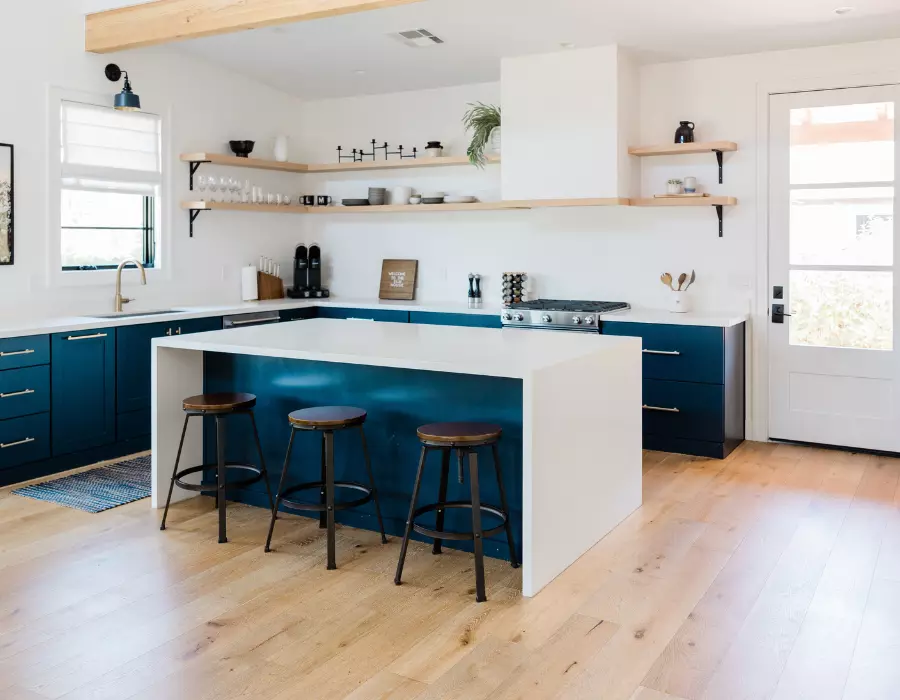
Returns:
point(196, 325)
point(133, 348)
point(83, 403)
point(24, 440)
point(683, 409)
point(471, 320)
point(389, 315)
point(301, 314)
point(24, 352)
point(24, 391)
point(133, 424)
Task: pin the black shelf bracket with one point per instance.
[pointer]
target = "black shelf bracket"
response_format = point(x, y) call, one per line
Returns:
point(719, 159)
point(194, 214)
point(195, 165)
point(720, 214)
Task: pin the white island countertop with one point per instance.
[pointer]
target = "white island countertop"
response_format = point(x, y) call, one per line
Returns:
point(491, 352)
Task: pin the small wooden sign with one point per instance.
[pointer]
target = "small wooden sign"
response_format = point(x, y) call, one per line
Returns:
point(398, 279)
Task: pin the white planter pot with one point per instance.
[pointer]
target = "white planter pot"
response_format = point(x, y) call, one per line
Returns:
point(494, 140)
point(674, 189)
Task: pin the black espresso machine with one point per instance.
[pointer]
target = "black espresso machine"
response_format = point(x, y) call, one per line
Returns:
point(308, 274)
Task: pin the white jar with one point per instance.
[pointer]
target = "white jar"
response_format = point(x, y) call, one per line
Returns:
point(679, 302)
point(281, 149)
point(401, 195)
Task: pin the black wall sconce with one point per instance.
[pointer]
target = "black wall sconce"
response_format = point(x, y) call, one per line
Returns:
point(126, 100)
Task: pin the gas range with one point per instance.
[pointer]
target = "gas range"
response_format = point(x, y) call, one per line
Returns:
point(560, 315)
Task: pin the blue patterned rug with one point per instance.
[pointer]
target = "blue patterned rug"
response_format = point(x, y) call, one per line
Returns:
point(98, 489)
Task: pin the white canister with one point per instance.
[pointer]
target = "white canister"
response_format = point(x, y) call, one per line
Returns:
point(401, 195)
point(679, 302)
point(281, 149)
point(690, 185)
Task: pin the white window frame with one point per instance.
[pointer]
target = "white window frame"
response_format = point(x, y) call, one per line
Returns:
point(56, 276)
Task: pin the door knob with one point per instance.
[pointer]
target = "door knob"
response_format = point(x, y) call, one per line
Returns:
point(778, 313)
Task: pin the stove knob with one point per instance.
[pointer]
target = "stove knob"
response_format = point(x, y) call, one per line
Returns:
point(519, 317)
point(576, 320)
point(546, 318)
point(507, 317)
point(589, 320)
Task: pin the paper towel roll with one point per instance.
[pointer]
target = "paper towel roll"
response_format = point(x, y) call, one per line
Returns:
point(249, 283)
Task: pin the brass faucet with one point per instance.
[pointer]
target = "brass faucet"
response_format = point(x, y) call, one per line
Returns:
point(120, 300)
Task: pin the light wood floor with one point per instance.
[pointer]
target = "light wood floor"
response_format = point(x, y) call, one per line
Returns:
point(773, 574)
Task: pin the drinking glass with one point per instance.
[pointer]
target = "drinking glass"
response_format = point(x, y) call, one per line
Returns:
point(201, 185)
point(212, 189)
point(245, 196)
point(223, 185)
point(287, 200)
point(270, 198)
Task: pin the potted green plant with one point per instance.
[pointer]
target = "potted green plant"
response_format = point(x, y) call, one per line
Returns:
point(484, 123)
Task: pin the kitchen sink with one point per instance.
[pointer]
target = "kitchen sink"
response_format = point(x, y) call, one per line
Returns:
point(135, 314)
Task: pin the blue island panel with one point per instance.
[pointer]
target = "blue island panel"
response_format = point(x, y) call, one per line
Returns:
point(398, 401)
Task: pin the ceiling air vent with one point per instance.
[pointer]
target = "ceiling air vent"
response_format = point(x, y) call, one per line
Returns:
point(418, 38)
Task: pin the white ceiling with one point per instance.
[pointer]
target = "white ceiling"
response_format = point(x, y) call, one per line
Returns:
point(321, 59)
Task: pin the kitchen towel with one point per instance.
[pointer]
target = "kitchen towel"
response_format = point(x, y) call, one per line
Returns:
point(249, 283)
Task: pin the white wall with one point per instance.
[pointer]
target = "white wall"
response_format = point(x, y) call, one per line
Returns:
point(208, 106)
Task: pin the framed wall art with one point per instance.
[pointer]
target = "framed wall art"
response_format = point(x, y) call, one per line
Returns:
point(7, 203)
point(398, 279)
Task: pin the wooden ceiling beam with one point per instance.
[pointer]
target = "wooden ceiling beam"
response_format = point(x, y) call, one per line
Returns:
point(164, 21)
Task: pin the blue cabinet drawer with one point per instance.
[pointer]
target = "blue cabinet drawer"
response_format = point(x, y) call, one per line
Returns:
point(24, 391)
point(196, 325)
point(390, 315)
point(24, 352)
point(471, 320)
point(684, 410)
point(678, 353)
point(24, 440)
point(300, 314)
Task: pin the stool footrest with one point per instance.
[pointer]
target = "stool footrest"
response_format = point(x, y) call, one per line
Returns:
point(210, 488)
point(368, 495)
point(440, 535)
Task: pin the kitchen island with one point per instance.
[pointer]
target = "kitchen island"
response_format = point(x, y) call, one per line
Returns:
point(569, 404)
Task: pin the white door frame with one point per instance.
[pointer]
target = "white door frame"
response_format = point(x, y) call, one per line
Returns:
point(758, 365)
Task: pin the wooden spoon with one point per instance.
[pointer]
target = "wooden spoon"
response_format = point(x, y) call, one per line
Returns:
point(691, 281)
point(681, 280)
point(666, 279)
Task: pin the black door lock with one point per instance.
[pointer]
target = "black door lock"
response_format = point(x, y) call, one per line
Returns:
point(778, 292)
point(778, 313)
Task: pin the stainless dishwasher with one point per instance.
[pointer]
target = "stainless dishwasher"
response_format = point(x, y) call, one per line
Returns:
point(260, 318)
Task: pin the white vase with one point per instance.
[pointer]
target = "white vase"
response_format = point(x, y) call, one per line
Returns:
point(494, 140)
point(281, 149)
point(679, 302)
point(674, 188)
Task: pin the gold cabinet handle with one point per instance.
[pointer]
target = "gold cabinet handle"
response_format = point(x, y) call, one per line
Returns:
point(660, 352)
point(16, 393)
point(86, 337)
point(661, 408)
point(4, 445)
point(17, 352)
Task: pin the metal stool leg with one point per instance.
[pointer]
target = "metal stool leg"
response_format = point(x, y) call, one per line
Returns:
point(329, 497)
point(174, 472)
point(284, 471)
point(513, 557)
point(477, 531)
point(323, 516)
point(221, 476)
point(442, 496)
point(262, 461)
point(409, 521)
point(365, 447)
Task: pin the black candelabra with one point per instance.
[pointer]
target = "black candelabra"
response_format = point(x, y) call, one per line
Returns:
point(358, 155)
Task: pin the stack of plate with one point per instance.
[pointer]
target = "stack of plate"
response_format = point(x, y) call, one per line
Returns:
point(432, 198)
point(355, 202)
point(460, 199)
point(377, 195)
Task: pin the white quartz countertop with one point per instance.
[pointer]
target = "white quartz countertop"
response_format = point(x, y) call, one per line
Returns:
point(481, 351)
point(30, 325)
point(25, 325)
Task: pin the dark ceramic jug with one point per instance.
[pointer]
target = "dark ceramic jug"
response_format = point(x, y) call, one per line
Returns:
point(685, 133)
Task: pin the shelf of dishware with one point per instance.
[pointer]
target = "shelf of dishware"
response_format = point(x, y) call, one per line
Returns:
point(676, 149)
point(259, 164)
point(203, 205)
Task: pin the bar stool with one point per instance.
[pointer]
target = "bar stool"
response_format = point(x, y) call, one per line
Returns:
point(464, 438)
point(219, 406)
point(326, 420)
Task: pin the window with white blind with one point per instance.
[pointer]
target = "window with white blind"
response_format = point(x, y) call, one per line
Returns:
point(111, 170)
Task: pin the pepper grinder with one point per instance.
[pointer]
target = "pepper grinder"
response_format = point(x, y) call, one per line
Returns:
point(478, 299)
point(471, 291)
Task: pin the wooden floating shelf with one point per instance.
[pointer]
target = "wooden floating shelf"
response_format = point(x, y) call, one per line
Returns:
point(675, 149)
point(685, 202)
point(196, 159)
point(231, 206)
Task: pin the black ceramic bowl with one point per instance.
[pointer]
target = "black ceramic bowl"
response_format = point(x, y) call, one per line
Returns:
point(242, 149)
